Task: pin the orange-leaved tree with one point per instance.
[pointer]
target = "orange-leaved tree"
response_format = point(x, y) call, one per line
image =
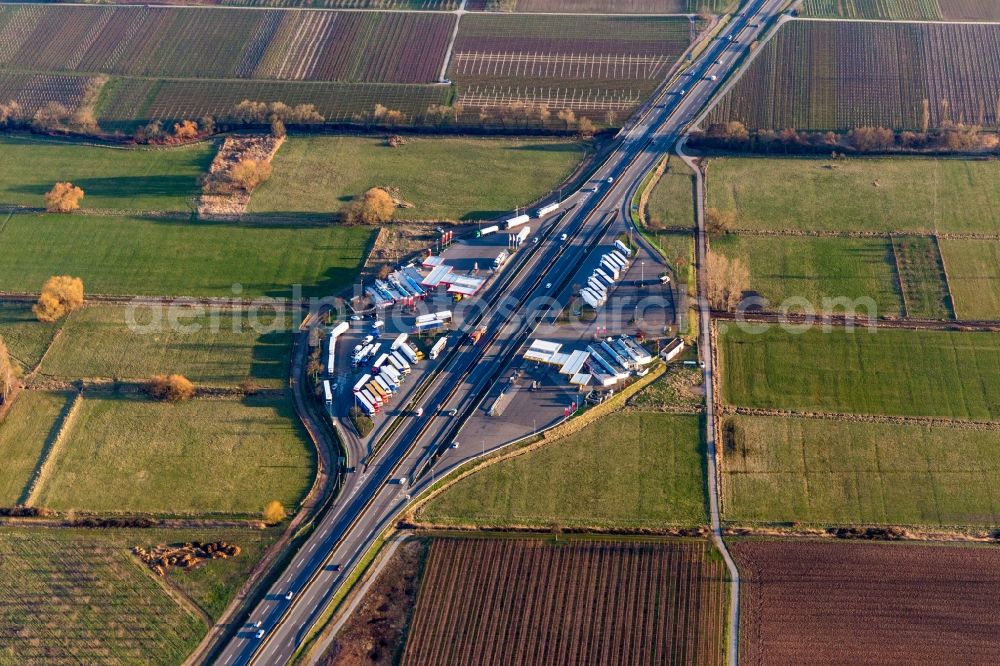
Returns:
point(61, 294)
point(63, 198)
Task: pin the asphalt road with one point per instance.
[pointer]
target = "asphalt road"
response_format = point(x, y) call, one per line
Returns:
point(372, 498)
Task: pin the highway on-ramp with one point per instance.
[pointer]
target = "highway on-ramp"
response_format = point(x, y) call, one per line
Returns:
point(373, 496)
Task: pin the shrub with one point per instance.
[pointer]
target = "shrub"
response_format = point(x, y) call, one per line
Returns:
point(61, 294)
point(63, 198)
point(186, 130)
point(374, 207)
point(170, 388)
point(248, 174)
point(274, 512)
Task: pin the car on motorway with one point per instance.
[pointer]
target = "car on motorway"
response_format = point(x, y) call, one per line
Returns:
point(259, 634)
point(452, 412)
point(454, 445)
point(548, 285)
point(535, 240)
point(563, 237)
point(611, 179)
point(289, 595)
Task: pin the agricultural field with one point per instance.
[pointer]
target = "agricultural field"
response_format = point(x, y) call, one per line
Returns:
point(603, 6)
point(946, 374)
point(922, 279)
point(79, 596)
point(974, 277)
point(128, 100)
point(923, 196)
point(182, 42)
point(630, 470)
point(441, 177)
point(925, 10)
point(26, 431)
point(838, 603)
point(529, 601)
point(26, 337)
point(201, 456)
point(112, 178)
point(837, 75)
point(832, 472)
point(161, 257)
point(786, 269)
point(32, 91)
point(210, 348)
point(601, 66)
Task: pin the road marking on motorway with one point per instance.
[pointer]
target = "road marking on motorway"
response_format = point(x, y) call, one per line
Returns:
point(312, 547)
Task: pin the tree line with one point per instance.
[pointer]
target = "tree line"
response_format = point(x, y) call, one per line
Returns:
point(734, 135)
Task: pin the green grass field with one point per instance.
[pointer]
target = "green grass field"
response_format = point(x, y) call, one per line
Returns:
point(111, 178)
point(817, 269)
point(821, 471)
point(445, 178)
point(220, 348)
point(671, 203)
point(889, 371)
point(128, 255)
point(628, 471)
point(26, 337)
point(212, 586)
point(974, 276)
point(200, 456)
point(79, 596)
point(911, 195)
point(24, 435)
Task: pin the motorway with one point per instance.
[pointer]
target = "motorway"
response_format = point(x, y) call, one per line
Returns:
point(372, 497)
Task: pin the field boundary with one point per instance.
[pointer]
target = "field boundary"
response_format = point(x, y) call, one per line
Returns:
point(53, 447)
point(805, 233)
point(930, 421)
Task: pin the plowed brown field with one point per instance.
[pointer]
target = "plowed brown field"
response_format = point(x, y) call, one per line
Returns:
point(853, 603)
point(528, 601)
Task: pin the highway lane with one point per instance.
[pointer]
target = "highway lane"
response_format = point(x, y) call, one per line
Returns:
point(370, 503)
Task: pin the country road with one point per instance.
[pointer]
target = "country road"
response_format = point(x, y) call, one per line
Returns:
point(373, 497)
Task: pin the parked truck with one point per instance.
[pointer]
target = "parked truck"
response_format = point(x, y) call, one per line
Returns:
point(438, 347)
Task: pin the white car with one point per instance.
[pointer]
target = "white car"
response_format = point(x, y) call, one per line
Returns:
point(563, 237)
point(454, 445)
point(611, 179)
point(548, 285)
point(259, 634)
point(289, 595)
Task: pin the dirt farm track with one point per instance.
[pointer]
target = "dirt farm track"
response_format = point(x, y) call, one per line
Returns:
point(868, 603)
